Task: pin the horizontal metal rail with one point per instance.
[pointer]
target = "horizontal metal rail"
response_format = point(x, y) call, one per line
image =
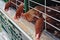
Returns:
point(52, 26)
point(45, 14)
point(45, 6)
point(56, 1)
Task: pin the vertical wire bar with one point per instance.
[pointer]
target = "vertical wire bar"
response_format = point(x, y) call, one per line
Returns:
point(16, 4)
point(45, 14)
point(28, 4)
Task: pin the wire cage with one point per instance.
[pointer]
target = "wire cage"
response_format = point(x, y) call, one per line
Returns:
point(51, 10)
point(15, 3)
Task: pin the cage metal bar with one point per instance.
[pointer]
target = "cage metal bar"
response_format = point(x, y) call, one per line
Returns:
point(19, 1)
point(46, 6)
point(16, 4)
point(36, 9)
point(56, 1)
point(52, 17)
point(45, 14)
point(29, 4)
point(53, 26)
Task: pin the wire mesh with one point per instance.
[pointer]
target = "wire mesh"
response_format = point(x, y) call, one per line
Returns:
point(53, 8)
point(56, 9)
